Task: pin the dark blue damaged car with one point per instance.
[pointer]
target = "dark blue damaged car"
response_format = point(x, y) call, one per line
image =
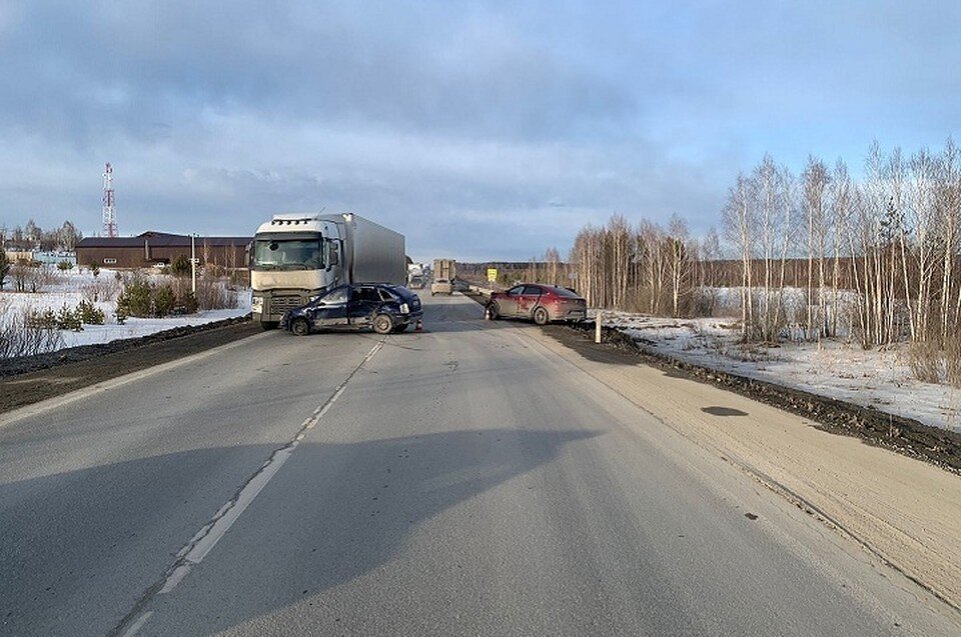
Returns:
point(381, 307)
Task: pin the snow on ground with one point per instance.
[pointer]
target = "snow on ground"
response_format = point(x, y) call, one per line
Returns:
point(878, 378)
point(76, 285)
point(134, 327)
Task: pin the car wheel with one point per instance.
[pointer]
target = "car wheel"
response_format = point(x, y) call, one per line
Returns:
point(495, 312)
point(541, 317)
point(300, 327)
point(401, 328)
point(382, 324)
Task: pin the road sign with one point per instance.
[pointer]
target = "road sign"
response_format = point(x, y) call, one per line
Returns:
point(492, 275)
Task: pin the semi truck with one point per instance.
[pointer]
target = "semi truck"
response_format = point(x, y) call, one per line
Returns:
point(296, 257)
point(445, 269)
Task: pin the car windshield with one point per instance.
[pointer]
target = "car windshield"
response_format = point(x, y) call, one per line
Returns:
point(288, 254)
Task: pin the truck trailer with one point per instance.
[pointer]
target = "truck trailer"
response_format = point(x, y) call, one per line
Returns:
point(296, 257)
point(445, 269)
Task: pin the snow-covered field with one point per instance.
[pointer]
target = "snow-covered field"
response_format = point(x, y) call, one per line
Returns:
point(76, 285)
point(871, 378)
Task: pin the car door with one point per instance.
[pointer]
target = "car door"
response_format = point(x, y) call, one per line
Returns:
point(507, 305)
point(527, 300)
point(363, 305)
point(331, 309)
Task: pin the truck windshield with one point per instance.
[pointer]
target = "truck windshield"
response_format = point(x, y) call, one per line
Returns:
point(288, 254)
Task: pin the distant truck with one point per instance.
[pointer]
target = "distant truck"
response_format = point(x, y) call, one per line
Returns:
point(296, 257)
point(445, 271)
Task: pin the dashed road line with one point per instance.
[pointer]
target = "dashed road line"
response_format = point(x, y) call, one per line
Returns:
point(204, 540)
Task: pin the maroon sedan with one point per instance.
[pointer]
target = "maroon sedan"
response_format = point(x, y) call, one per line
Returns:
point(542, 303)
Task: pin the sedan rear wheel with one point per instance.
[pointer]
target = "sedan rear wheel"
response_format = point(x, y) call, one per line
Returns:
point(541, 317)
point(300, 327)
point(383, 324)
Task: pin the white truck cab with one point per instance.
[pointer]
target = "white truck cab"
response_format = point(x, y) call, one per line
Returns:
point(295, 257)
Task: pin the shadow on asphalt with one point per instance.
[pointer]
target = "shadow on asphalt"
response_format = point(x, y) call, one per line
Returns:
point(340, 511)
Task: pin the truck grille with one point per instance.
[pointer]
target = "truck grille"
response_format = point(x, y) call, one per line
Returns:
point(283, 303)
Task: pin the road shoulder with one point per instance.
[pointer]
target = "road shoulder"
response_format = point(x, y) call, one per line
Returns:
point(99, 364)
point(906, 512)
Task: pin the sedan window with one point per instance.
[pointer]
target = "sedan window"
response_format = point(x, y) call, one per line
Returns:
point(565, 292)
point(335, 296)
point(368, 294)
point(516, 291)
point(532, 290)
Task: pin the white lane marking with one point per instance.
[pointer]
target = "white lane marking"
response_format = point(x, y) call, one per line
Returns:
point(137, 625)
point(204, 540)
point(60, 401)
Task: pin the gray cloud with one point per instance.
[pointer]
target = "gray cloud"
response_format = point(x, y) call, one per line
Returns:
point(479, 128)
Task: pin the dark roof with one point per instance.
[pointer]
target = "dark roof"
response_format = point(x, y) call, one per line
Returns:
point(160, 240)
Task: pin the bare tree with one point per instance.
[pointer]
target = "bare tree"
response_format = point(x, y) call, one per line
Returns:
point(678, 260)
point(815, 180)
point(739, 223)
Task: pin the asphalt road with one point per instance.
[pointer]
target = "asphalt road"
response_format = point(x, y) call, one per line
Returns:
point(461, 481)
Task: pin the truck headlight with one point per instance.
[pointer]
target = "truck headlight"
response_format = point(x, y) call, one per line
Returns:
point(404, 309)
point(257, 304)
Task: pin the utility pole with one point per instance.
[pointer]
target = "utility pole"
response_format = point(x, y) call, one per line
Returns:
point(193, 265)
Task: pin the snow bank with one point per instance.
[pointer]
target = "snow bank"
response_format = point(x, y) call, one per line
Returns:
point(878, 378)
point(76, 285)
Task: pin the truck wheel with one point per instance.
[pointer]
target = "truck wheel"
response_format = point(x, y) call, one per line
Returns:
point(268, 325)
point(541, 317)
point(300, 327)
point(382, 324)
point(495, 312)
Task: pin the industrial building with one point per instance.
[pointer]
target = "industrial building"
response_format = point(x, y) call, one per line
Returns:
point(161, 248)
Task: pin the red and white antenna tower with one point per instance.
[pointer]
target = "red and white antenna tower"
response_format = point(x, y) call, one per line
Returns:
point(109, 214)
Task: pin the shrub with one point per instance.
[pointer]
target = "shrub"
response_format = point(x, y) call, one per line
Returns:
point(90, 314)
point(64, 265)
point(142, 299)
point(43, 319)
point(163, 300)
point(931, 362)
point(69, 319)
point(189, 303)
point(22, 335)
point(95, 269)
point(101, 290)
point(180, 265)
point(136, 298)
point(4, 266)
point(213, 294)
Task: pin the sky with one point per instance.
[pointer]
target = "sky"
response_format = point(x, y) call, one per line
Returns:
point(480, 130)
